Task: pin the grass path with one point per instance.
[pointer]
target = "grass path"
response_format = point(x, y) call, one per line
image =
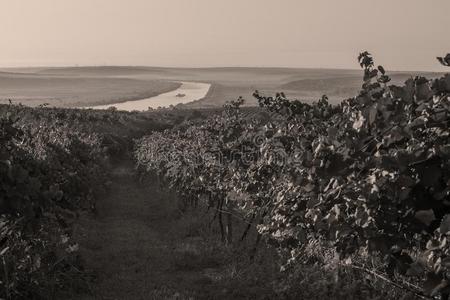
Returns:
point(141, 246)
point(135, 247)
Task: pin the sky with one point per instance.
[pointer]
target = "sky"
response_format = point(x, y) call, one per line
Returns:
point(401, 34)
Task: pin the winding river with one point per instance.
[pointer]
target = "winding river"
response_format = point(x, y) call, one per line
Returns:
point(187, 92)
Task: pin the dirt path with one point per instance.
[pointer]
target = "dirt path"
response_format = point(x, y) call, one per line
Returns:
point(139, 246)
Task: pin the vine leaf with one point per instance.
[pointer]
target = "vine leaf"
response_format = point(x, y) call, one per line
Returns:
point(445, 61)
point(445, 225)
point(425, 216)
point(373, 114)
point(415, 269)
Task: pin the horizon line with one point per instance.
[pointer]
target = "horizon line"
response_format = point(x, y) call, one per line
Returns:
point(208, 67)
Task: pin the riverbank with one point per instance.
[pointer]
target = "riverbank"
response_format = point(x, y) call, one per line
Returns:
point(187, 92)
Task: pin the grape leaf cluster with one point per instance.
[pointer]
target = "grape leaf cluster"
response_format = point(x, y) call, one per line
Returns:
point(369, 176)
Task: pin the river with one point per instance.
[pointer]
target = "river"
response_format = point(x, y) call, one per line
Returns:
point(187, 92)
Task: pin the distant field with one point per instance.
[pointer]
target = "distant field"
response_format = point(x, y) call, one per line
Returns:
point(85, 86)
point(304, 84)
point(60, 91)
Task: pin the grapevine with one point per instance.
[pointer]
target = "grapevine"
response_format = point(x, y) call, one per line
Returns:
point(53, 164)
point(370, 176)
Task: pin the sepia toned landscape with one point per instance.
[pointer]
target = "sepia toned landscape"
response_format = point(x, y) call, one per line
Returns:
point(205, 149)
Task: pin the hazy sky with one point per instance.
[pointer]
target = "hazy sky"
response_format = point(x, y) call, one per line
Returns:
point(402, 34)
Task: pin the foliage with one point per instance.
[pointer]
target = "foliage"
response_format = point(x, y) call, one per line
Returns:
point(369, 176)
point(53, 162)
